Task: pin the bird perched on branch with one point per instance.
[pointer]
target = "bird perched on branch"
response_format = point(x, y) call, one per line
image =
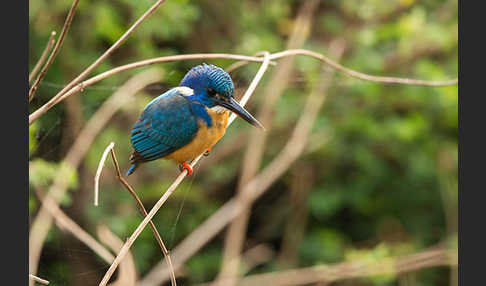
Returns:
point(187, 120)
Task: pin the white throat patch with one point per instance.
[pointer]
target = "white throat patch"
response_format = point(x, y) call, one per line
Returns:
point(218, 109)
point(186, 91)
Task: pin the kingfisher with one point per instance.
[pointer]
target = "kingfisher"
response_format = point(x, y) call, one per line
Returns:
point(187, 120)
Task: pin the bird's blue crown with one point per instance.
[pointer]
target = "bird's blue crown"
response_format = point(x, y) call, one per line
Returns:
point(208, 81)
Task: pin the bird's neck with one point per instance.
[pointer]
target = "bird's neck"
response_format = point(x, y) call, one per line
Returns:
point(199, 110)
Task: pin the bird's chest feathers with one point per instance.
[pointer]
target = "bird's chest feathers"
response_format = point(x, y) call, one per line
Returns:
point(212, 134)
point(206, 136)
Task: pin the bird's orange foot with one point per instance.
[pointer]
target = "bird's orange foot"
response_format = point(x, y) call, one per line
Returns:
point(207, 152)
point(186, 166)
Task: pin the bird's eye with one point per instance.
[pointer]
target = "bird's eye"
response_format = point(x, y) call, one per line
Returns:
point(211, 91)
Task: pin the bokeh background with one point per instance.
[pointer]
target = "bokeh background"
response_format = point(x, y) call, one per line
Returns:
point(378, 177)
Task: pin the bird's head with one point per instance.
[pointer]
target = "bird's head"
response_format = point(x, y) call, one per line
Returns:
point(213, 87)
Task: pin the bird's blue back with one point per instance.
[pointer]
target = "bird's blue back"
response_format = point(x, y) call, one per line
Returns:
point(168, 123)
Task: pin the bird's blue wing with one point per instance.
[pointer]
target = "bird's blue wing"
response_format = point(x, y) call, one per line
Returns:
point(166, 124)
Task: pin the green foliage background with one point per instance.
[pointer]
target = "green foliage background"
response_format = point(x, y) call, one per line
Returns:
point(384, 183)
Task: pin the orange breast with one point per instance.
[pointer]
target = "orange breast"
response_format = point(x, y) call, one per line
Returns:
point(205, 138)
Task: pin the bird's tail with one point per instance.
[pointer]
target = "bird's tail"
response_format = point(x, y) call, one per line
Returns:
point(131, 170)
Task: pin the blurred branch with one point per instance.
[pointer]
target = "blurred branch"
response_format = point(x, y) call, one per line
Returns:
point(128, 274)
point(65, 28)
point(255, 256)
point(177, 181)
point(49, 45)
point(447, 165)
point(65, 223)
point(225, 149)
point(251, 258)
point(37, 279)
point(349, 270)
point(88, 70)
point(253, 189)
point(295, 226)
point(43, 220)
point(75, 89)
point(236, 65)
point(236, 232)
point(399, 60)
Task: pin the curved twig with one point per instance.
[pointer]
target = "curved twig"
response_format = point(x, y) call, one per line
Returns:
point(98, 172)
point(49, 45)
point(360, 75)
point(142, 209)
point(65, 28)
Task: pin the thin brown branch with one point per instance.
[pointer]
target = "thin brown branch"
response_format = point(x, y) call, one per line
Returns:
point(96, 63)
point(128, 273)
point(360, 75)
point(175, 184)
point(64, 31)
point(76, 153)
point(37, 279)
point(236, 66)
point(225, 150)
point(142, 209)
point(43, 57)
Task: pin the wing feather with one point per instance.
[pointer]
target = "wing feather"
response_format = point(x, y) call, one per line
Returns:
point(166, 124)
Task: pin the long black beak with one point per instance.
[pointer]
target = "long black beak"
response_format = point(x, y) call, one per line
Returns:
point(234, 106)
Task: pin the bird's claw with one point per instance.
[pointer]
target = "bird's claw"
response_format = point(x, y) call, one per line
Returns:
point(184, 166)
point(207, 152)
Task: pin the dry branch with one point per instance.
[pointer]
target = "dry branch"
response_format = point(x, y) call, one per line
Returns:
point(128, 272)
point(98, 172)
point(38, 65)
point(65, 28)
point(88, 70)
point(176, 183)
point(37, 279)
point(350, 270)
point(143, 211)
point(363, 76)
point(43, 220)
